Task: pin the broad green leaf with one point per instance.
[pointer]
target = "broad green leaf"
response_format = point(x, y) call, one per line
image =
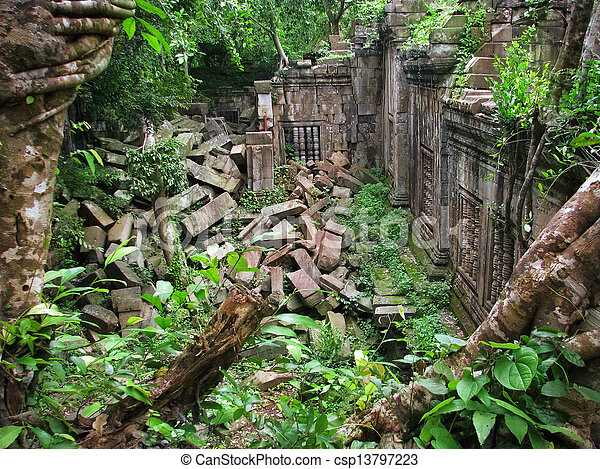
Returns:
point(468, 387)
point(297, 320)
point(91, 409)
point(536, 439)
point(44, 437)
point(445, 339)
point(51, 310)
point(517, 426)
point(483, 423)
point(322, 423)
point(66, 274)
point(443, 438)
point(28, 361)
point(156, 34)
point(517, 374)
point(444, 370)
point(513, 409)
point(434, 385)
point(29, 100)
point(295, 351)
point(136, 392)
point(154, 301)
point(163, 322)
point(8, 435)
point(80, 364)
point(499, 345)
point(134, 320)
point(564, 431)
point(164, 290)
point(120, 252)
point(554, 388)
point(585, 139)
point(279, 330)
point(212, 274)
point(147, 6)
point(129, 27)
point(445, 407)
point(572, 357)
point(588, 393)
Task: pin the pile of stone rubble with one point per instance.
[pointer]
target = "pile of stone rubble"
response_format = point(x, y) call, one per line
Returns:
point(298, 245)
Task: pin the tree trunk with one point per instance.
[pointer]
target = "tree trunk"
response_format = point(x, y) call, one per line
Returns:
point(193, 375)
point(550, 286)
point(47, 49)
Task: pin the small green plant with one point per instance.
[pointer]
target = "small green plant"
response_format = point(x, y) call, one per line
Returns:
point(420, 332)
point(67, 236)
point(327, 345)
point(438, 13)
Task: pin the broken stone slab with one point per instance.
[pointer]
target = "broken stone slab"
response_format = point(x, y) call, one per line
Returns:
point(379, 300)
point(93, 237)
point(115, 159)
point(307, 288)
point(280, 258)
point(205, 148)
point(99, 319)
point(328, 304)
point(331, 283)
point(341, 272)
point(214, 163)
point(260, 223)
point(211, 213)
point(94, 215)
point(284, 209)
point(121, 230)
point(187, 198)
point(339, 159)
point(210, 176)
point(385, 315)
point(253, 258)
point(307, 226)
point(214, 127)
point(305, 262)
point(238, 154)
point(229, 166)
point(267, 351)
point(265, 380)
point(363, 174)
point(276, 280)
point(337, 322)
point(317, 207)
point(334, 227)
point(283, 227)
point(323, 182)
point(330, 251)
point(165, 131)
point(114, 145)
point(294, 303)
point(275, 240)
point(345, 179)
point(147, 314)
point(127, 299)
point(341, 192)
point(187, 140)
point(308, 187)
point(120, 271)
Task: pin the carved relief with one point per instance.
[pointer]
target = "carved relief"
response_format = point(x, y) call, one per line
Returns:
point(469, 237)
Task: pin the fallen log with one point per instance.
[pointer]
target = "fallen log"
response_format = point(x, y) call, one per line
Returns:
point(193, 375)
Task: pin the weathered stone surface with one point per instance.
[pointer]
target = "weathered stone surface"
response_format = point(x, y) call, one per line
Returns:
point(328, 304)
point(114, 145)
point(238, 154)
point(275, 240)
point(187, 198)
point(363, 174)
point(318, 206)
point(214, 127)
point(284, 209)
point(94, 237)
point(341, 192)
point(120, 271)
point(280, 258)
point(121, 230)
point(307, 288)
point(259, 138)
point(295, 304)
point(212, 177)
point(264, 351)
point(210, 214)
point(334, 227)
point(384, 315)
point(94, 215)
point(127, 299)
point(258, 224)
point(260, 167)
point(323, 182)
point(308, 187)
point(205, 148)
point(115, 159)
point(330, 251)
point(99, 319)
point(389, 300)
point(329, 282)
point(347, 180)
point(337, 322)
point(307, 226)
point(305, 262)
point(187, 140)
point(253, 257)
point(264, 380)
point(147, 314)
point(339, 159)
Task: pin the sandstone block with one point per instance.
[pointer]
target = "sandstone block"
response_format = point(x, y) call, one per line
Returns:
point(284, 209)
point(121, 230)
point(127, 299)
point(99, 319)
point(211, 213)
point(94, 215)
point(94, 237)
point(329, 252)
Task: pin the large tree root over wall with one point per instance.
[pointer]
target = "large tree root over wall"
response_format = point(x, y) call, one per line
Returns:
point(551, 286)
point(193, 375)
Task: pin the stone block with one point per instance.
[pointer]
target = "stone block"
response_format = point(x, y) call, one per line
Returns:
point(127, 299)
point(114, 145)
point(337, 322)
point(339, 159)
point(318, 206)
point(94, 237)
point(345, 179)
point(259, 138)
point(330, 251)
point(284, 209)
point(94, 215)
point(363, 174)
point(274, 240)
point(328, 304)
point(306, 287)
point(187, 198)
point(187, 140)
point(280, 258)
point(99, 319)
point(265, 380)
point(294, 303)
point(258, 224)
point(308, 187)
point(121, 230)
point(323, 182)
point(385, 315)
point(334, 227)
point(307, 226)
point(331, 283)
point(276, 280)
point(394, 300)
point(306, 263)
point(205, 148)
point(212, 177)
point(253, 258)
point(211, 213)
point(120, 271)
point(238, 154)
point(341, 192)
point(267, 351)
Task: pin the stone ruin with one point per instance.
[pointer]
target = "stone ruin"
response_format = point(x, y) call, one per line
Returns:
point(386, 106)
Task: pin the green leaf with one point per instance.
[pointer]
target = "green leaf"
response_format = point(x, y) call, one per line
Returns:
point(434, 385)
point(146, 6)
point(468, 387)
point(513, 409)
point(91, 409)
point(443, 438)
point(129, 27)
point(571, 356)
point(499, 345)
point(153, 300)
point(120, 252)
point(134, 320)
point(156, 34)
point(483, 423)
point(163, 322)
point(136, 392)
point(295, 351)
point(164, 290)
point(585, 139)
point(279, 330)
point(445, 339)
point(297, 320)
point(211, 274)
point(554, 388)
point(536, 439)
point(8, 435)
point(588, 393)
point(44, 437)
point(564, 431)
point(517, 374)
point(444, 370)
point(28, 361)
point(321, 424)
point(29, 100)
point(517, 426)
point(80, 363)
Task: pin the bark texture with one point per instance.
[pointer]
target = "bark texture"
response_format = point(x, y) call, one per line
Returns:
point(193, 375)
point(47, 49)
